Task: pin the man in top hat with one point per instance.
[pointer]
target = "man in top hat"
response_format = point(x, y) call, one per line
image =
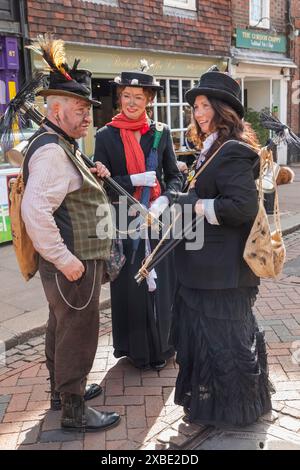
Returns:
point(59, 210)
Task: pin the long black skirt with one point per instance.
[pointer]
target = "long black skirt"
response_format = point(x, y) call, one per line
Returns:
point(141, 320)
point(221, 352)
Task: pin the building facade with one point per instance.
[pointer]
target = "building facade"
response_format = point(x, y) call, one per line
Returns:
point(14, 69)
point(181, 38)
point(262, 58)
point(14, 60)
point(294, 89)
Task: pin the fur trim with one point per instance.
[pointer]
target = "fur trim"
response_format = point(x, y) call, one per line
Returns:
point(286, 175)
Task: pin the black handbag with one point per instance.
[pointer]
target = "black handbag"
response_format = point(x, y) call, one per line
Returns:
point(116, 261)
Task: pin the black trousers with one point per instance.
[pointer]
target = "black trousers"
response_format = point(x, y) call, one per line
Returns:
point(72, 333)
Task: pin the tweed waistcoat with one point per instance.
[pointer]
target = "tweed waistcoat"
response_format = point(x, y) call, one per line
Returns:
point(82, 210)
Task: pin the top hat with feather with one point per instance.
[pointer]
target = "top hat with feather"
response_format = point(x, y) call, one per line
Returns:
point(138, 78)
point(63, 80)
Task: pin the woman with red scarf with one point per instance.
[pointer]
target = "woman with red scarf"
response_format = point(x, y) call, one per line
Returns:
point(140, 314)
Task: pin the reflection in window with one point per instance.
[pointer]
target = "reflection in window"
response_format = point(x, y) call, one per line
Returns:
point(174, 91)
point(175, 117)
point(185, 4)
point(176, 137)
point(172, 109)
point(186, 85)
point(162, 94)
point(259, 11)
point(162, 114)
point(187, 114)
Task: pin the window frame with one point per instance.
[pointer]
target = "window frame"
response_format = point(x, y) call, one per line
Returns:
point(181, 104)
point(191, 4)
point(265, 22)
point(109, 3)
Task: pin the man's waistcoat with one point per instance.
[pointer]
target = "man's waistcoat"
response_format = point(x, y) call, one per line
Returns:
point(81, 210)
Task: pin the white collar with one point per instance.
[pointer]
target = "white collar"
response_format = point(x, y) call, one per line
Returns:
point(207, 143)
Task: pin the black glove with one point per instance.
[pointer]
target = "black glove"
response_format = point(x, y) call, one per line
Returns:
point(184, 198)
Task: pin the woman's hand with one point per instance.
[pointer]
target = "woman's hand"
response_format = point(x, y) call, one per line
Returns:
point(199, 207)
point(144, 179)
point(192, 184)
point(100, 170)
point(158, 206)
point(184, 199)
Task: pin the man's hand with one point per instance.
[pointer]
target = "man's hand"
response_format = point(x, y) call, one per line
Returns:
point(73, 270)
point(100, 170)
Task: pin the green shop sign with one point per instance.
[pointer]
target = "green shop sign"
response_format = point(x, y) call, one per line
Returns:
point(260, 40)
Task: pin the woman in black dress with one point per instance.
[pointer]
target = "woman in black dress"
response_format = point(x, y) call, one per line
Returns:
point(140, 314)
point(221, 352)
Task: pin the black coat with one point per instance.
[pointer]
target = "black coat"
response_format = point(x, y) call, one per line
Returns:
point(229, 179)
point(140, 320)
point(110, 151)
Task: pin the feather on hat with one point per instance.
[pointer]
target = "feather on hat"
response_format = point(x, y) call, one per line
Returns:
point(63, 80)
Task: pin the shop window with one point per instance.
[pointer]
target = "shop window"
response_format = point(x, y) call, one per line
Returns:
point(259, 11)
point(171, 108)
point(184, 4)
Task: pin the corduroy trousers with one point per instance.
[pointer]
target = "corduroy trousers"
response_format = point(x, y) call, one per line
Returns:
point(73, 325)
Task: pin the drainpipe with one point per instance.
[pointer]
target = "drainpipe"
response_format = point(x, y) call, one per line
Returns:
point(24, 38)
point(292, 50)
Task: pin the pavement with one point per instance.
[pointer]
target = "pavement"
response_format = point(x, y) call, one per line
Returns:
point(150, 420)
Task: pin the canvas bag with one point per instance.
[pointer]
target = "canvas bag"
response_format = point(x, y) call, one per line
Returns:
point(26, 254)
point(264, 250)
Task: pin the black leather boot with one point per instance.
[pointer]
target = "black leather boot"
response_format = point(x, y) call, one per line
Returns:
point(91, 391)
point(55, 402)
point(77, 417)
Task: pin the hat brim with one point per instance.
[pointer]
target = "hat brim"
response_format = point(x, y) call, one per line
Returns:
point(51, 92)
point(191, 95)
point(139, 85)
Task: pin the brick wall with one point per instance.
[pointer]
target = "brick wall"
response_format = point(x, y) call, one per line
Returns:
point(135, 24)
point(295, 54)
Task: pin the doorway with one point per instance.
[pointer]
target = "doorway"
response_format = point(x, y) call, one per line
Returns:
point(103, 91)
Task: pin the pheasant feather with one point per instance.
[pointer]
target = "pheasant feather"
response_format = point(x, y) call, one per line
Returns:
point(53, 52)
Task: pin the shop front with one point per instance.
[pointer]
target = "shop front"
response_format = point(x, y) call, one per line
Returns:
point(260, 63)
point(9, 68)
point(175, 72)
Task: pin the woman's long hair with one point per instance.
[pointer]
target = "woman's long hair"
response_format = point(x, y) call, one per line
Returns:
point(227, 124)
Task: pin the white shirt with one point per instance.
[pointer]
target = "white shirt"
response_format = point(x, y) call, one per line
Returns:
point(207, 143)
point(209, 211)
point(52, 176)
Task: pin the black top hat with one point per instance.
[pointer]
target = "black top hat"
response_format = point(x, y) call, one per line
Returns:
point(137, 79)
point(79, 87)
point(220, 86)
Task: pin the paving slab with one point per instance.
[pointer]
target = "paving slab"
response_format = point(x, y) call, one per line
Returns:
point(264, 438)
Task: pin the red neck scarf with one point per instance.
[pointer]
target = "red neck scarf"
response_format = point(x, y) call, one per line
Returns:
point(135, 159)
